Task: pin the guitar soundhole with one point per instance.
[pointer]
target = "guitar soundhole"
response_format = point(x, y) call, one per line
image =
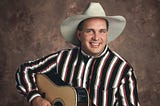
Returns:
point(58, 104)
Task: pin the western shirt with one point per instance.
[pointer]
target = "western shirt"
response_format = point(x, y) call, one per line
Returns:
point(109, 79)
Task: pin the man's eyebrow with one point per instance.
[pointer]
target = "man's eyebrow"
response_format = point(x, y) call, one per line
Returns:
point(88, 29)
point(104, 29)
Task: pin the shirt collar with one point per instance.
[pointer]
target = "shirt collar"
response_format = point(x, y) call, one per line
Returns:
point(89, 56)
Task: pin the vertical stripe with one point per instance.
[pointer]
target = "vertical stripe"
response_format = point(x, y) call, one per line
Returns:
point(123, 94)
point(90, 76)
point(114, 98)
point(64, 69)
point(119, 74)
point(109, 72)
point(86, 72)
point(131, 87)
point(97, 80)
point(105, 98)
point(20, 84)
point(81, 69)
point(72, 70)
point(59, 58)
point(99, 76)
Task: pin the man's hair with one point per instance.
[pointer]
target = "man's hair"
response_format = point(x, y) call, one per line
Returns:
point(80, 25)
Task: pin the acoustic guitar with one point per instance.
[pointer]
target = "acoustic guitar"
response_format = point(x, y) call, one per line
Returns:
point(60, 94)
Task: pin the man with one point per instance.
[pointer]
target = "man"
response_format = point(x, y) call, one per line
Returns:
point(108, 78)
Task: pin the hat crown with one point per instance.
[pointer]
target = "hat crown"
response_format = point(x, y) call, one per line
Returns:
point(94, 9)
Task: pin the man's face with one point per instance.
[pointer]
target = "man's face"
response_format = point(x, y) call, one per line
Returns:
point(93, 36)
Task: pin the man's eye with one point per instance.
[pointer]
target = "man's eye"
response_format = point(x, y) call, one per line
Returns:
point(103, 31)
point(89, 31)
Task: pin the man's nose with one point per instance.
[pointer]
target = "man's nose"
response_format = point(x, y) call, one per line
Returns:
point(95, 36)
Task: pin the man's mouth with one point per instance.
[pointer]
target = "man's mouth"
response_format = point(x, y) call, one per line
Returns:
point(94, 44)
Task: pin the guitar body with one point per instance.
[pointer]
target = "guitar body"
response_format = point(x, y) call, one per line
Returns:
point(62, 95)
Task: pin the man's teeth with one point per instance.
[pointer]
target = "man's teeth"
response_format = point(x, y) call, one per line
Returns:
point(95, 44)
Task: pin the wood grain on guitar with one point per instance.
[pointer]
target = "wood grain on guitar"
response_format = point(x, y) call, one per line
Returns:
point(62, 95)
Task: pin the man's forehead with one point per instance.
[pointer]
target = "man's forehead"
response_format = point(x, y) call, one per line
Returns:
point(97, 23)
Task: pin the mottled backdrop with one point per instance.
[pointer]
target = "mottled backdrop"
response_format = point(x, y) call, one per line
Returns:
point(29, 29)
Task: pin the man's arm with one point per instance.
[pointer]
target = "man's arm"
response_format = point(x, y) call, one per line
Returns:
point(128, 95)
point(26, 75)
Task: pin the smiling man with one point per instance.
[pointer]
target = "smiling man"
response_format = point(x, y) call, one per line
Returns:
point(93, 36)
point(91, 64)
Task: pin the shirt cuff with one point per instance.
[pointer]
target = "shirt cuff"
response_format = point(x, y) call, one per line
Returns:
point(32, 95)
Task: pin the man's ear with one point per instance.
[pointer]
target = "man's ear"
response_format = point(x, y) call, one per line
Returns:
point(78, 34)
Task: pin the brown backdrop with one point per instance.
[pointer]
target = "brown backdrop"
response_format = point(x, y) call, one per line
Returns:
point(29, 29)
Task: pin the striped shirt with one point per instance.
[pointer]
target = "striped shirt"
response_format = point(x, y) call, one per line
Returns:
point(109, 79)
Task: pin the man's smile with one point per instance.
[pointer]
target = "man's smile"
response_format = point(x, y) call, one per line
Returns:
point(94, 44)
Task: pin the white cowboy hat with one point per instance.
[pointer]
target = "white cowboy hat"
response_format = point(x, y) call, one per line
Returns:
point(69, 26)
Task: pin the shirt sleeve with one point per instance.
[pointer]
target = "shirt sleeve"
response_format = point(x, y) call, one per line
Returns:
point(128, 95)
point(26, 75)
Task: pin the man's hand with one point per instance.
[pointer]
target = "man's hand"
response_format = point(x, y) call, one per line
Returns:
point(39, 101)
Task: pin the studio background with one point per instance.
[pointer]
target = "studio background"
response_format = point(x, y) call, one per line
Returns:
point(29, 29)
